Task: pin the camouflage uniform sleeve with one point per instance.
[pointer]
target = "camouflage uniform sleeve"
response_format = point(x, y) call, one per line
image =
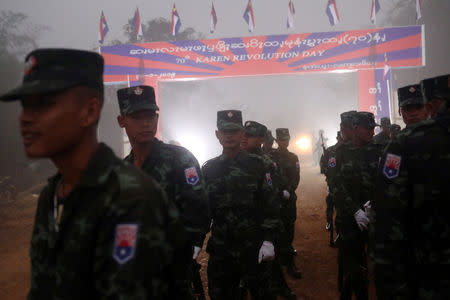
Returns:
point(140, 267)
point(192, 196)
point(294, 173)
point(389, 236)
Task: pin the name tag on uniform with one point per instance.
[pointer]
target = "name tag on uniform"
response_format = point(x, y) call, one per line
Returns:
point(391, 166)
point(125, 242)
point(191, 175)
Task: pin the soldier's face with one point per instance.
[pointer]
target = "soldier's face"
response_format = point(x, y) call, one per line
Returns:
point(250, 143)
point(412, 114)
point(55, 123)
point(364, 134)
point(140, 126)
point(230, 139)
point(283, 144)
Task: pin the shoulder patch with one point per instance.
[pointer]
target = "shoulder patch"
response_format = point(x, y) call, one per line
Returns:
point(332, 162)
point(125, 242)
point(297, 165)
point(191, 175)
point(268, 179)
point(391, 166)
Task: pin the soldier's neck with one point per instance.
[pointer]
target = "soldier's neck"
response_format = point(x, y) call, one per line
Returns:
point(231, 153)
point(140, 152)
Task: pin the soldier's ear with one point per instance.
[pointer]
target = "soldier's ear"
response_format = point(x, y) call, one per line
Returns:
point(217, 134)
point(121, 121)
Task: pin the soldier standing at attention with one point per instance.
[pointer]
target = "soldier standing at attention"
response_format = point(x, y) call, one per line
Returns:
point(411, 104)
point(356, 165)
point(103, 230)
point(173, 167)
point(290, 177)
point(411, 224)
point(383, 137)
point(244, 214)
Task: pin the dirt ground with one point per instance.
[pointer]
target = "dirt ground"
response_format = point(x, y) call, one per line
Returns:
point(315, 258)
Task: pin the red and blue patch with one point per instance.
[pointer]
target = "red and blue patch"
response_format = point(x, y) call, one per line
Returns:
point(391, 167)
point(268, 179)
point(191, 175)
point(332, 162)
point(125, 242)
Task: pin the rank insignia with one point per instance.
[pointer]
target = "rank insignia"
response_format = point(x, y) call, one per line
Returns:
point(125, 242)
point(268, 179)
point(191, 175)
point(391, 166)
point(332, 162)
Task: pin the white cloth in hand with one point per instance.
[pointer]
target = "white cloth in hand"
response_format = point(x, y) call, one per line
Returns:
point(361, 219)
point(368, 209)
point(266, 252)
point(286, 195)
point(196, 252)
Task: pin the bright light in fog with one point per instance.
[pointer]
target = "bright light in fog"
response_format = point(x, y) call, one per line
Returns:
point(304, 143)
point(193, 144)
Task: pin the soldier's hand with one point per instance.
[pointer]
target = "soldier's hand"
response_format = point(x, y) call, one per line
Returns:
point(286, 195)
point(196, 252)
point(368, 209)
point(361, 219)
point(266, 252)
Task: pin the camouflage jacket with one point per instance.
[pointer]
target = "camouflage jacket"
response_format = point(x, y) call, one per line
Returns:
point(328, 162)
point(290, 169)
point(244, 208)
point(411, 214)
point(353, 182)
point(381, 138)
point(115, 239)
point(179, 174)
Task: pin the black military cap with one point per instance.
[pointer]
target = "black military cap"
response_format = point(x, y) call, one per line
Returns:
point(136, 98)
point(395, 128)
point(282, 134)
point(385, 122)
point(410, 95)
point(347, 118)
point(365, 119)
point(268, 137)
point(253, 128)
point(436, 87)
point(54, 70)
point(229, 120)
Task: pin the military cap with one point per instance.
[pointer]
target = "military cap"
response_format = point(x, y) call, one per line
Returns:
point(136, 98)
point(229, 120)
point(395, 128)
point(347, 118)
point(365, 119)
point(410, 95)
point(282, 134)
point(54, 70)
point(253, 128)
point(436, 87)
point(268, 137)
point(385, 122)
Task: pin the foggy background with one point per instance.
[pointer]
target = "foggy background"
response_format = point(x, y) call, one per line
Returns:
point(303, 103)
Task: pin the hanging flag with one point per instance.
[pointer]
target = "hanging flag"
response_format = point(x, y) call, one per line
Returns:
point(374, 10)
point(249, 17)
point(332, 12)
point(137, 24)
point(387, 69)
point(176, 21)
point(103, 29)
point(418, 9)
point(291, 13)
point(213, 21)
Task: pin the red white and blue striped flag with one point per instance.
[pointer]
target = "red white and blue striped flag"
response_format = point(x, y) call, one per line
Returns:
point(103, 29)
point(374, 10)
point(137, 23)
point(332, 12)
point(290, 16)
point(176, 21)
point(418, 9)
point(213, 21)
point(249, 17)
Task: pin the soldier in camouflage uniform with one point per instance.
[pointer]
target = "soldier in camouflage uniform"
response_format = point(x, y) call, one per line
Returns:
point(411, 224)
point(268, 142)
point(394, 130)
point(356, 165)
point(173, 167)
point(411, 105)
point(102, 229)
point(255, 133)
point(244, 215)
point(383, 137)
point(290, 175)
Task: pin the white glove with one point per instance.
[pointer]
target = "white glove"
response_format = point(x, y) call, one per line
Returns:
point(196, 252)
point(361, 219)
point(368, 208)
point(286, 195)
point(266, 252)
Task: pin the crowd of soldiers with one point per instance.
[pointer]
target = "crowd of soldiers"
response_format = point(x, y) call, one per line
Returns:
point(133, 228)
point(391, 198)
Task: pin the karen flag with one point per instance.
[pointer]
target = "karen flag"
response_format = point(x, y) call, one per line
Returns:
point(291, 13)
point(332, 12)
point(103, 29)
point(249, 17)
point(176, 21)
point(418, 9)
point(213, 21)
point(137, 24)
point(374, 10)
